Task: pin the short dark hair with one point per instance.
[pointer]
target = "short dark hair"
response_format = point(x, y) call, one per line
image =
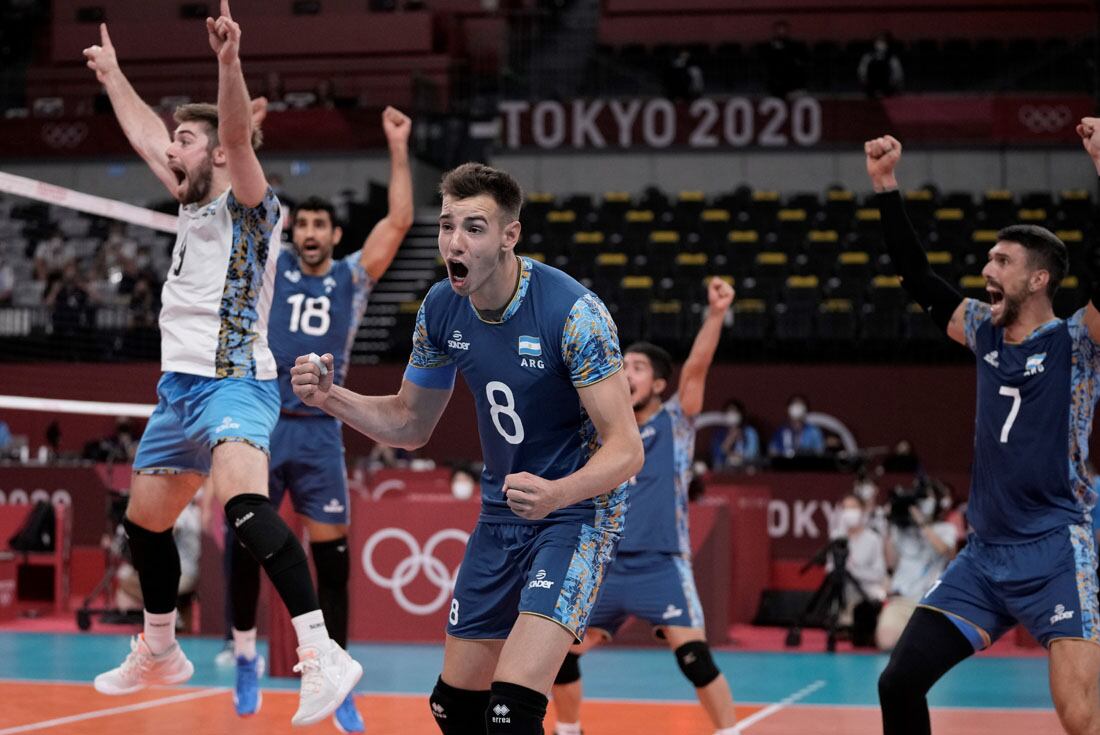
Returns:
point(207, 113)
point(658, 357)
point(1044, 249)
point(472, 179)
point(315, 204)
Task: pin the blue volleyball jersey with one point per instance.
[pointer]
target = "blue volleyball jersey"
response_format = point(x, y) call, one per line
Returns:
point(555, 336)
point(1034, 415)
point(315, 314)
point(659, 493)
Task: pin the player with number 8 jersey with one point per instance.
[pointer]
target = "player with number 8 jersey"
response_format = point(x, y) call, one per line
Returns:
point(541, 356)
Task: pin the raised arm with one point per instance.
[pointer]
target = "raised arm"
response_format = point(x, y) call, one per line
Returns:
point(404, 420)
point(387, 235)
point(1089, 130)
point(693, 375)
point(943, 303)
point(246, 176)
point(143, 127)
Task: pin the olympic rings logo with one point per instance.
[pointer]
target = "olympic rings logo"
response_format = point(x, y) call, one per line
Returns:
point(1045, 118)
point(64, 135)
point(411, 566)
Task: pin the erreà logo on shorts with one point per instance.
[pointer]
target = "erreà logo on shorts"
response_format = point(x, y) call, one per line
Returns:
point(226, 424)
point(500, 714)
point(540, 581)
point(456, 343)
point(1060, 614)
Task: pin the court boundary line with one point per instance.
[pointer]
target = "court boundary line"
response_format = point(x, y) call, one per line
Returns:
point(774, 708)
point(96, 714)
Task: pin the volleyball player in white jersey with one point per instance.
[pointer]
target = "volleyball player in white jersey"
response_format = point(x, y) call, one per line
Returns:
point(217, 400)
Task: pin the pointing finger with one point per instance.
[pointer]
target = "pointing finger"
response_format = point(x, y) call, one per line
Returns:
point(225, 9)
point(104, 37)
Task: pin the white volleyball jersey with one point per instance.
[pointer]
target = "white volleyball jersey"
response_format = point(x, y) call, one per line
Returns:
point(216, 299)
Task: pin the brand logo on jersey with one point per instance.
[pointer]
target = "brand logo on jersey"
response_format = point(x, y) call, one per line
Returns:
point(671, 612)
point(330, 283)
point(540, 581)
point(1060, 614)
point(226, 424)
point(991, 358)
point(456, 343)
point(1034, 364)
point(333, 506)
point(293, 276)
point(648, 432)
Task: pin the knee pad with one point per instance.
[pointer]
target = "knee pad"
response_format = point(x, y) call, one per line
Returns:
point(332, 562)
point(260, 530)
point(697, 664)
point(514, 710)
point(570, 670)
point(458, 711)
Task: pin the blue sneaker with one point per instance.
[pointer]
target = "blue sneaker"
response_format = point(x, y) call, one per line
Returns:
point(347, 718)
point(247, 696)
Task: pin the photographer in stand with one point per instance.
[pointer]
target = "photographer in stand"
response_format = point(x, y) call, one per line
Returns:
point(919, 544)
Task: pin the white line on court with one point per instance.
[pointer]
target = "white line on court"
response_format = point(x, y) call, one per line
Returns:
point(186, 697)
point(771, 709)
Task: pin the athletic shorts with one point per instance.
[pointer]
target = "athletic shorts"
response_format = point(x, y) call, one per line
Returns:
point(194, 414)
point(1048, 585)
point(552, 570)
point(657, 587)
point(307, 458)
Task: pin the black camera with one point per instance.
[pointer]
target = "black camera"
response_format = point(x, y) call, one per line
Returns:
point(902, 499)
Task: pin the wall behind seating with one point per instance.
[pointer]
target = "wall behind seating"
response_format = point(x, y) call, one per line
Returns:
point(949, 170)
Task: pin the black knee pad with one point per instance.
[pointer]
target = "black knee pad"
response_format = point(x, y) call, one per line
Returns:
point(514, 710)
point(260, 530)
point(570, 670)
point(697, 664)
point(157, 561)
point(458, 711)
point(332, 562)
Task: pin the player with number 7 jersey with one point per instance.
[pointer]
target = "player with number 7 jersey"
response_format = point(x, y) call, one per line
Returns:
point(1031, 557)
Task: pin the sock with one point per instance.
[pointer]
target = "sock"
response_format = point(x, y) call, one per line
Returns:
point(244, 643)
point(568, 728)
point(244, 586)
point(311, 630)
point(330, 559)
point(157, 561)
point(160, 631)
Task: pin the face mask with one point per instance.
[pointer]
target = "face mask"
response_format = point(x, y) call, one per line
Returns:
point(796, 411)
point(866, 491)
point(462, 488)
point(927, 506)
point(733, 418)
point(850, 518)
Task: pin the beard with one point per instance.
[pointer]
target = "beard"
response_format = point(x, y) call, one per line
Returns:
point(198, 182)
point(1010, 311)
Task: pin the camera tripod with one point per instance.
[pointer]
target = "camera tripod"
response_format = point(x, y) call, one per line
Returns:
point(828, 600)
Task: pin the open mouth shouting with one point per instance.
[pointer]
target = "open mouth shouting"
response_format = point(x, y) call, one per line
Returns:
point(457, 272)
point(996, 296)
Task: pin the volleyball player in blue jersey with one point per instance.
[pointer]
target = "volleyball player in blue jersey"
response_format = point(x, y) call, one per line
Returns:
point(541, 356)
point(1031, 556)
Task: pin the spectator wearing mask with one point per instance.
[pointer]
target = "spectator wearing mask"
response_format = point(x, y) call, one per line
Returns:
point(866, 563)
point(797, 437)
point(463, 482)
point(737, 444)
point(918, 549)
point(880, 72)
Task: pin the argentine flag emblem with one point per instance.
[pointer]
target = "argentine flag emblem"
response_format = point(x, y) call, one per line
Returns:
point(530, 346)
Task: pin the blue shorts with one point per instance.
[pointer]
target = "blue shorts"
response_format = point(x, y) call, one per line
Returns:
point(1047, 585)
point(657, 587)
point(307, 458)
point(194, 414)
point(551, 570)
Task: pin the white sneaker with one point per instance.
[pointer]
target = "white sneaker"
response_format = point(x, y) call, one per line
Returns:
point(328, 676)
point(142, 669)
